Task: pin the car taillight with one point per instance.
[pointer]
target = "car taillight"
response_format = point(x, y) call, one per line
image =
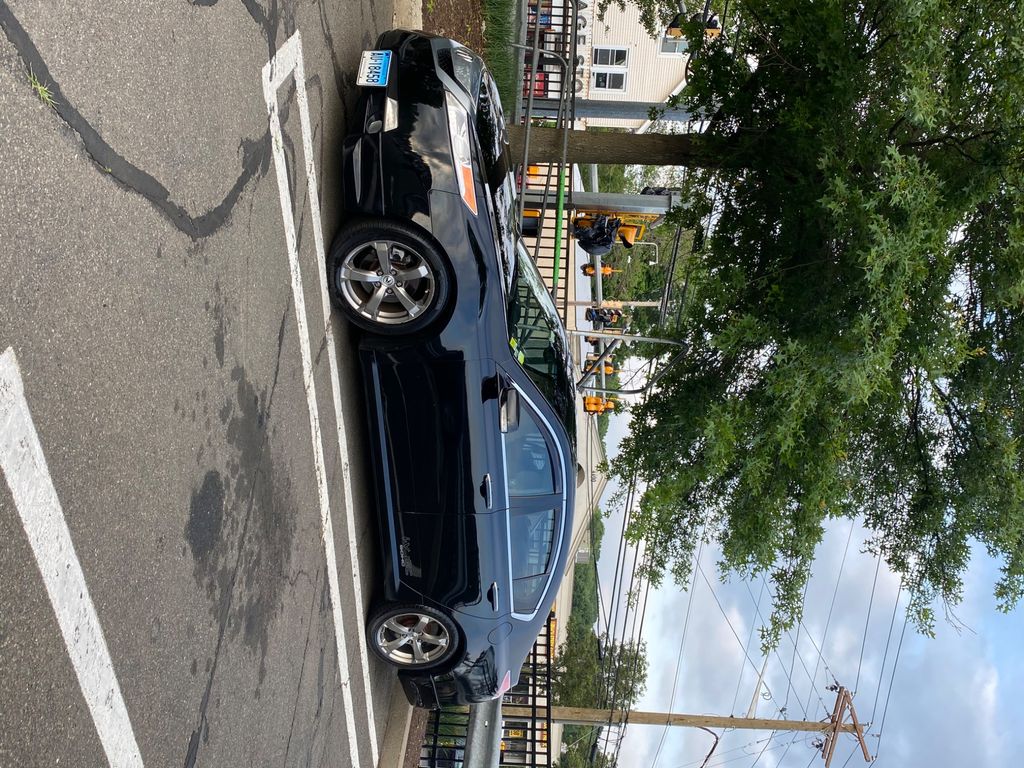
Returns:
point(505, 685)
point(462, 151)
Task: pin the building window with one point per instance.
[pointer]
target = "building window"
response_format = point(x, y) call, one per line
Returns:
point(610, 81)
point(675, 45)
point(611, 57)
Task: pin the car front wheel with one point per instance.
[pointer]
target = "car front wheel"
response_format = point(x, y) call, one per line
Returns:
point(412, 636)
point(387, 278)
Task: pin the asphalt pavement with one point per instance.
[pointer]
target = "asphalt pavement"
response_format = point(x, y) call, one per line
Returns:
point(154, 334)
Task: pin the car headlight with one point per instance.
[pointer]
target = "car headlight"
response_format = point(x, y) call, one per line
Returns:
point(462, 151)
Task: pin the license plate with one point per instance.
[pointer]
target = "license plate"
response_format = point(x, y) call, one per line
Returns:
point(374, 67)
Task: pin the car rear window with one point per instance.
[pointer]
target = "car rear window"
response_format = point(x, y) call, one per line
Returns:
point(531, 539)
point(526, 593)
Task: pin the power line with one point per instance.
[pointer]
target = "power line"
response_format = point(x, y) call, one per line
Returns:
point(636, 660)
point(758, 758)
point(863, 642)
point(892, 678)
point(733, 749)
point(832, 605)
point(885, 655)
point(792, 663)
point(731, 628)
point(750, 636)
point(679, 655)
point(789, 675)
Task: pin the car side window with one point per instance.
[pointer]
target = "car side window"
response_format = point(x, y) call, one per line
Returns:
point(531, 540)
point(526, 593)
point(529, 465)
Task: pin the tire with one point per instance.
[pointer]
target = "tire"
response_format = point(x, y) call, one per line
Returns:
point(404, 296)
point(436, 644)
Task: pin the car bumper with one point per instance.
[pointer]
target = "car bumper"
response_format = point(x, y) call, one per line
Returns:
point(442, 690)
point(399, 150)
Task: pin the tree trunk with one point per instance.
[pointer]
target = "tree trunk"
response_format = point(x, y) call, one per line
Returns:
point(690, 149)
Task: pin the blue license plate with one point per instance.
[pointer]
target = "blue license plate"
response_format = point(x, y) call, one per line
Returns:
point(374, 68)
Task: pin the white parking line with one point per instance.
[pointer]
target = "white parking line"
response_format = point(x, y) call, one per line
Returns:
point(24, 466)
point(288, 61)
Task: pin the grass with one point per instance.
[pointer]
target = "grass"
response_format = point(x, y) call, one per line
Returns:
point(500, 32)
point(41, 90)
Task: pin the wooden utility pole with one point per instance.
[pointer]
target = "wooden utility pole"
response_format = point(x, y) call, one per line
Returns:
point(606, 304)
point(844, 701)
point(830, 729)
point(583, 716)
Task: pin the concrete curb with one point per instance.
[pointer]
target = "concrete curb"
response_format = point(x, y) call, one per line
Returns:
point(396, 734)
point(408, 14)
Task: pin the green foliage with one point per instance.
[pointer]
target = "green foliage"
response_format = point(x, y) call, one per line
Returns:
point(856, 321)
point(654, 14)
point(582, 679)
point(500, 33)
point(578, 753)
point(610, 178)
point(584, 590)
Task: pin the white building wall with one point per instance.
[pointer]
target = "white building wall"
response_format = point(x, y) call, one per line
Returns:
point(650, 75)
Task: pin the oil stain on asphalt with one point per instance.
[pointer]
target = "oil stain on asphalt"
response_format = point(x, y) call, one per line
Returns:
point(241, 524)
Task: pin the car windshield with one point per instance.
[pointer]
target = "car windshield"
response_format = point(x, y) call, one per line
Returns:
point(497, 168)
point(507, 233)
point(538, 340)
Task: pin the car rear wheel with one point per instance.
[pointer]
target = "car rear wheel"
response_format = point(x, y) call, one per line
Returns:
point(412, 636)
point(387, 278)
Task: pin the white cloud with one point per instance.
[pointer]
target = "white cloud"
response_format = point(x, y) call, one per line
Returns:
point(954, 701)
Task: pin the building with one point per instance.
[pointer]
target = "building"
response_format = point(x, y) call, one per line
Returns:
point(621, 62)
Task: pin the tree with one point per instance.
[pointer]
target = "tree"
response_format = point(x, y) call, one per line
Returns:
point(583, 678)
point(855, 321)
point(578, 756)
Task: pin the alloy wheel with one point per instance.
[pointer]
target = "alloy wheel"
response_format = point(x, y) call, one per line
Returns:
point(412, 639)
point(386, 282)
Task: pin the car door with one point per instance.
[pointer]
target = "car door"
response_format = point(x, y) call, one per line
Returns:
point(442, 474)
point(534, 477)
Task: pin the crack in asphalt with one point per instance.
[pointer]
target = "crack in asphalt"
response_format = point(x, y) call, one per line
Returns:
point(343, 81)
point(302, 671)
point(255, 152)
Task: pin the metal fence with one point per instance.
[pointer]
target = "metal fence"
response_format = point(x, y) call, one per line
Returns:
point(524, 741)
point(549, 66)
point(527, 741)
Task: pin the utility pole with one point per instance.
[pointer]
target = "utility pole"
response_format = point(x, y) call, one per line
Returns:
point(757, 690)
point(606, 304)
point(843, 701)
point(830, 729)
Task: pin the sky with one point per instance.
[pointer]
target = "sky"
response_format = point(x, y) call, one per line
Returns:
point(954, 702)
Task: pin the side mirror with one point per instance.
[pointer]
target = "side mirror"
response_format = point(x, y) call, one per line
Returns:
point(509, 418)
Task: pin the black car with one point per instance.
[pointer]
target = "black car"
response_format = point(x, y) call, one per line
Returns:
point(469, 383)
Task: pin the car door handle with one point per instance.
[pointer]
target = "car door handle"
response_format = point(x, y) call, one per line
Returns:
point(485, 490)
point(492, 595)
